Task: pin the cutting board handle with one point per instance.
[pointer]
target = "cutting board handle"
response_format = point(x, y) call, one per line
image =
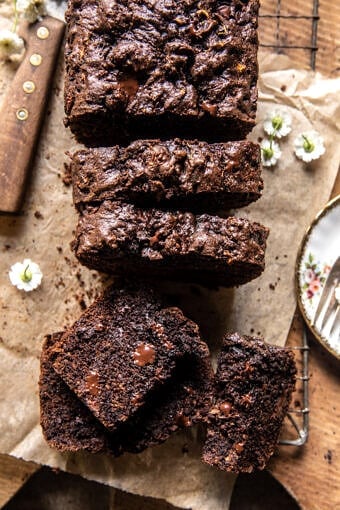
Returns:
point(23, 109)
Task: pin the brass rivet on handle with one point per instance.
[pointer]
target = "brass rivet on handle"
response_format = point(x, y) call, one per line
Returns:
point(35, 59)
point(43, 33)
point(22, 114)
point(28, 86)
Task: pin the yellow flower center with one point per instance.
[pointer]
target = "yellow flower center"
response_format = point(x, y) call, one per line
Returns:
point(308, 146)
point(267, 152)
point(277, 122)
point(26, 275)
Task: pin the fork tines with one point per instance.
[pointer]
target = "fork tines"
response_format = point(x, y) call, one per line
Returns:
point(327, 316)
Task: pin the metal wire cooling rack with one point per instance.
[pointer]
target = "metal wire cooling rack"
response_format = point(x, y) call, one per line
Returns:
point(298, 414)
point(290, 29)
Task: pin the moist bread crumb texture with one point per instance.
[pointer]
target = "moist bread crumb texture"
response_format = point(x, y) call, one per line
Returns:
point(122, 348)
point(253, 386)
point(103, 403)
point(67, 424)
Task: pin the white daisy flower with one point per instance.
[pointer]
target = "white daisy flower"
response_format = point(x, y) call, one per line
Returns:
point(270, 152)
point(10, 44)
point(32, 10)
point(25, 275)
point(308, 146)
point(277, 123)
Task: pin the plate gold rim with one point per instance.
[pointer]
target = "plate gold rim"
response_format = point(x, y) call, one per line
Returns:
point(328, 207)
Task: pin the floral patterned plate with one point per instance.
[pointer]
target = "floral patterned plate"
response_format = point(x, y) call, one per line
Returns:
point(319, 250)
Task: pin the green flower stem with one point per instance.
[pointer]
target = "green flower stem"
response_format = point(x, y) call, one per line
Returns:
point(273, 135)
point(269, 152)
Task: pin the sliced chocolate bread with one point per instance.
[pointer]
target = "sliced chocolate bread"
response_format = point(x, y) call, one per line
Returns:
point(182, 401)
point(67, 424)
point(178, 68)
point(122, 348)
point(253, 386)
point(189, 175)
point(121, 238)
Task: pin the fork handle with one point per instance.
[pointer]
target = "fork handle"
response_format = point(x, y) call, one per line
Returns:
point(23, 109)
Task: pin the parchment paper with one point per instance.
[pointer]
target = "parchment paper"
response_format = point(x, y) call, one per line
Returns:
point(293, 194)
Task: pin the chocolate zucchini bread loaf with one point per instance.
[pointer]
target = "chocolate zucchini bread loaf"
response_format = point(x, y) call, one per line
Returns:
point(186, 69)
point(122, 348)
point(253, 387)
point(121, 238)
point(67, 424)
point(189, 175)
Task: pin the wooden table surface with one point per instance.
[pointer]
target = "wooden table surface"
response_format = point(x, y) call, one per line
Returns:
point(310, 473)
point(293, 32)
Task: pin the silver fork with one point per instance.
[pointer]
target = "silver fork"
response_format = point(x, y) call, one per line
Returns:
point(327, 314)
